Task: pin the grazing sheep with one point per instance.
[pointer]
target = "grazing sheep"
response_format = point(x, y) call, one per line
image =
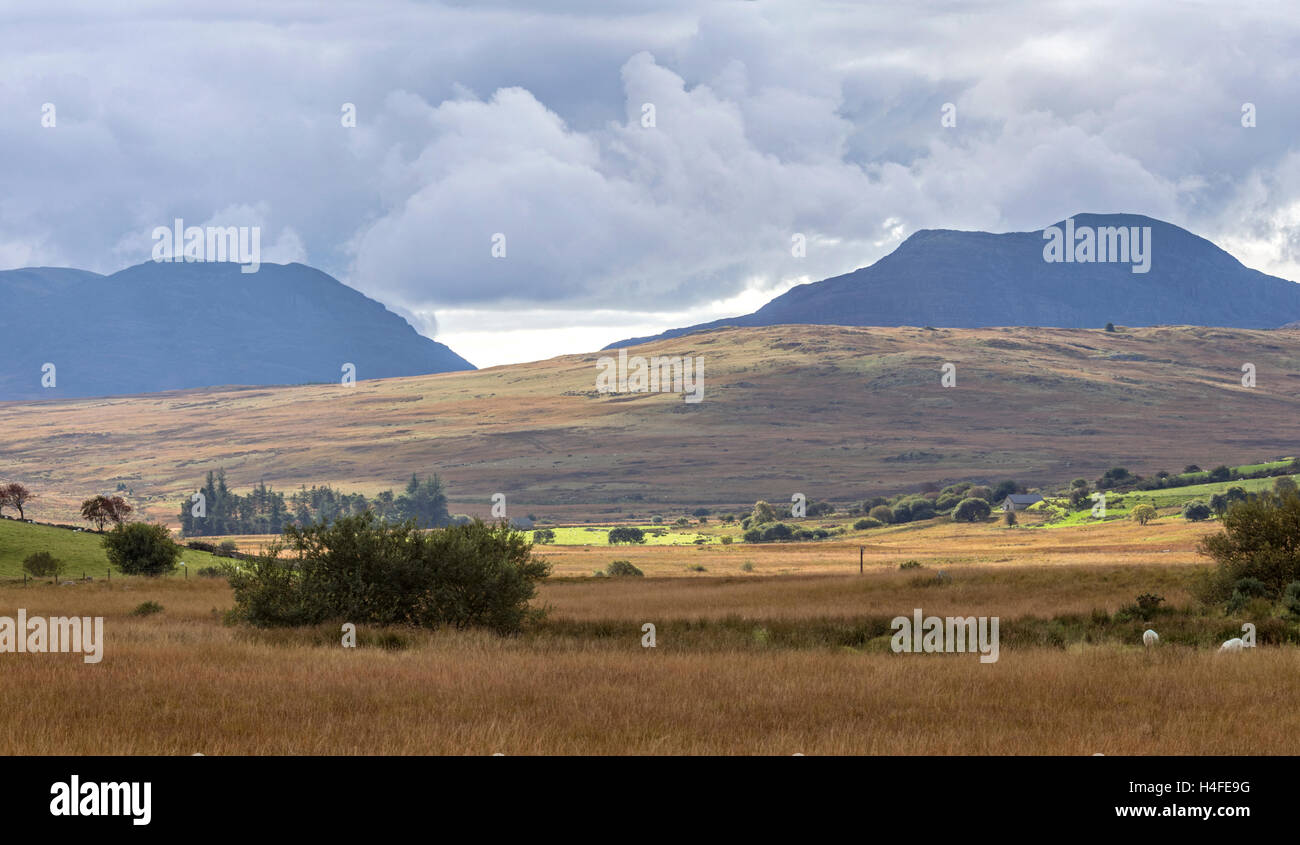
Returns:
point(1234, 644)
point(1150, 638)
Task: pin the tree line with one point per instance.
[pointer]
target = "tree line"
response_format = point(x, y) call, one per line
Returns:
point(218, 510)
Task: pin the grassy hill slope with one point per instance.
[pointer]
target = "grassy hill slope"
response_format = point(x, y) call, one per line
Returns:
point(832, 412)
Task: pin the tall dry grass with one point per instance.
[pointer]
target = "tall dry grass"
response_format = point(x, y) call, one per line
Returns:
point(181, 682)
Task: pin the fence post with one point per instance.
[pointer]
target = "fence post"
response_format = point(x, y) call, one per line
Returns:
point(861, 551)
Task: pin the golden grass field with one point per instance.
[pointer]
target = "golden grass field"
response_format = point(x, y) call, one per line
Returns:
point(181, 681)
point(836, 413)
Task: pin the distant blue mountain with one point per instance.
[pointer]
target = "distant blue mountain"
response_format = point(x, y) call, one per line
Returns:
point(165, 326)
point(942, 277)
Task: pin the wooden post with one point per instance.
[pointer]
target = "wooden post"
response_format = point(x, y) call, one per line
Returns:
point(861, 550)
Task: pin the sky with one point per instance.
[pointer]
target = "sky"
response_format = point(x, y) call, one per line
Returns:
point(531, 179)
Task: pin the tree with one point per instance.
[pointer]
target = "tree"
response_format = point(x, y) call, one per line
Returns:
point(1196, 511)
point(138, 548)
point(362, 570)
point(1260, 539)
point(762, 513)
point(620, 568)
point(15, 496)
point(626, 534)
point(972, 510)
point(1110, 327)
point(543, 536)
point(1143, 513)
point(102, 510)
point(882, 513)
point(1010, 518)
point(1284, 486)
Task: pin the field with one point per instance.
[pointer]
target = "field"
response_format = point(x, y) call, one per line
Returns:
point(745, 662)
point(835, 413)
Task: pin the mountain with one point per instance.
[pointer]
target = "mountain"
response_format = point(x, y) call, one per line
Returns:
point(837, 413)
point(164, 326)
point(946, 278)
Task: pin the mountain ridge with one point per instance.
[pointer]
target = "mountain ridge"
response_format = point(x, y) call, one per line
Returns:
point(160, 326)
point(929, 280)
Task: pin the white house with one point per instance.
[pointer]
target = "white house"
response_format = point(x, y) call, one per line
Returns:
point(1019, 501)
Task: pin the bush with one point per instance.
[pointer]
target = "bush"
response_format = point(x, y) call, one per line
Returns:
point(138, 548)
point(42, 565)
point(1260, 540)
point(727, 540)
point(881, 513)
point(762, 513)
point(1010, 518)
point(148, 608)
point(626, 534)
point(779, 531)
point(910, 564)
point(867, 522)
point(211, 572)
point(1143, 514)
point(747, 566)
point(972, 510)
point(202, 546)
point(359, 569)
point(1149, 603)
point(543, 536)
point(227, 548)
point(753, 535)
point(1291, 598)
point(1196, 511)
point(623, 567)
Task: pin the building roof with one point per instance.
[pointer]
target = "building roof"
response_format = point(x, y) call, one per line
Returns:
point(1024, 498)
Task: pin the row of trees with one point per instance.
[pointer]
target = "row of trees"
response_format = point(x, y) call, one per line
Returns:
point(219, 510)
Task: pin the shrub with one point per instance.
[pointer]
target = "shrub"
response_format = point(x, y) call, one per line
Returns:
point(1260, 540)
point(626, 534)
point(865, 523)
point(42, 565)
point(1196, 511)
point(727, 540)
point(543, 536)
point(902, 512)
point(1143, 514)
point(138, 548)
point(360, 569)
point(972, 510)
point(753, 535)
point(148, 608)
point(779, 531)
point(881, 513)
point(762, 513)
point(227, 548)
point(1149, 603)
point(910, 564)
point(1284, 486)
point(1010, 518)
point(1291, 598)
point(211, 572)
point(202, 546)
point(621, 568)
point(747, 566)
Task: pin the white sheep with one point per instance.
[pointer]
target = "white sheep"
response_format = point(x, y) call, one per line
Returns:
point(1234, 644)
point(1150, 638)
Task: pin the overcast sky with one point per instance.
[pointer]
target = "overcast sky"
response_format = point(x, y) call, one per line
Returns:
point(770, 119)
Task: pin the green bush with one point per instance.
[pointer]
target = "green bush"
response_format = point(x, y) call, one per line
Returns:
point(626, 534)
point(138, 548)
point(42, 565)
point(727, 539)
point(360, 569)
point(1291, 598)
point(881, 513)
point(543, 536)
point(867, 522)
point(1260, 540)
point(148, 608)
point(1196, 511)
point(623, 567)
point(972, 510)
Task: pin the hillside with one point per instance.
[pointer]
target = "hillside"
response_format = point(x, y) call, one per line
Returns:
point(162, 326)
point(946, 278)
point(832, 412)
